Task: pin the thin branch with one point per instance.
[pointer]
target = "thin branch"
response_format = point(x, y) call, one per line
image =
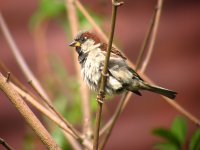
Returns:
point(19, 58)
point(14, 79)
point(75, 145)
point(150, 37)
point(176, 105)
point(29, 75)
point(101, 94)
point(146, 40)
point(84, 92)
point(112, 122)
point(5, 144)
point(25, 94)
point(153, 34)
point(28, 115)
point(32, 99)
point(67, 131)
point(75, 132)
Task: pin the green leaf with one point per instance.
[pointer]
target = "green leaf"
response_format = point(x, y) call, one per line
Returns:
point(167, 135)
point(179, 129)
point(195, 141)
point(165, 146)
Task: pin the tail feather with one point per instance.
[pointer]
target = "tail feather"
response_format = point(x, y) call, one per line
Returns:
point(165, 92)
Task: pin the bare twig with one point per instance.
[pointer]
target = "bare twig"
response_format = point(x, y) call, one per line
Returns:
point(84, 92)
point(153, 34)
point(67, 131)
point(25, 94)
point(176, 105)
point(118, 111)
point(45, 111)
point(101, 94)
point(125, 99)
point(5, 144)
point(28, 115)
point(75, 145)
point(13, 79)
point(29, 75)
point(19, 58)
point(75, 132)
point(146, 40)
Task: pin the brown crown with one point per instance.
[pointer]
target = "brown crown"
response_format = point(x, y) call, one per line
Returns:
point(92, 36)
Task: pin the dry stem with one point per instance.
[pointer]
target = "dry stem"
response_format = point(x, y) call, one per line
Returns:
point(101, 93)
point(67, 131)
point(28, 115)
point(19, 58)
point(75, 132)
point(5, 144)
point(154, 30)
point(29, 75)
point(150, 38)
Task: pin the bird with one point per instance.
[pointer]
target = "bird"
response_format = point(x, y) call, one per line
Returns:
point(120, 78)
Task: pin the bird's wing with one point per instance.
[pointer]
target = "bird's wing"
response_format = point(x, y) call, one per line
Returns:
point(114, 52)
point(117, 65)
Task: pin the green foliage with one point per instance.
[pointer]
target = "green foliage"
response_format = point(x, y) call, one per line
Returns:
point(195, 141)
point(179, 129)
point(175, 137)
point(165, 146)
point(169, 136)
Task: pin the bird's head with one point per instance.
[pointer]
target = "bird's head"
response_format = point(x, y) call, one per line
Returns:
point(85, 41)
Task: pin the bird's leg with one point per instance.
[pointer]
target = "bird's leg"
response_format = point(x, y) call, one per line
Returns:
point(101, 94)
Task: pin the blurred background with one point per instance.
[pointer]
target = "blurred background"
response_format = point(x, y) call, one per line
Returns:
point(174, 64)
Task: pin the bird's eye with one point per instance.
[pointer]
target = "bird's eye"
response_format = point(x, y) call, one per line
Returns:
point(83, 39)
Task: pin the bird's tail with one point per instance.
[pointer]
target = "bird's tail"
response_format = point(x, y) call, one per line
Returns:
point(156, 89)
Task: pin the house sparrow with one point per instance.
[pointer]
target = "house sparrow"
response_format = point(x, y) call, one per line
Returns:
point(121, 77)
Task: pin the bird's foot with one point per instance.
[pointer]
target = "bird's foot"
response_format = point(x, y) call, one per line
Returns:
point(100, 97)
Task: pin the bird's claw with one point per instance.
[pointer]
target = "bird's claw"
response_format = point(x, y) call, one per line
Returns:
point(116, 4)
point(105, 75)
point(100, 98)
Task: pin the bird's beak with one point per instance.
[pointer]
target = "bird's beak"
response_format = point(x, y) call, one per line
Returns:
point(75, 44)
